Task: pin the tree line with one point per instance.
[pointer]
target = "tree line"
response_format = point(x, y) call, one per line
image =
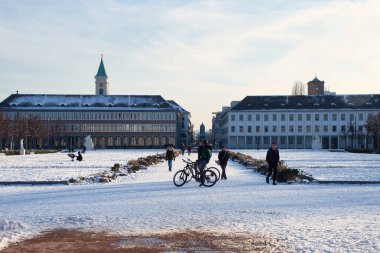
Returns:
point(36, 132)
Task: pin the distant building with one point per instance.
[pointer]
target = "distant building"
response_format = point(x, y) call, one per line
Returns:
point(113, 121)
point(202, 132)
point(296, 122)
point(316, 87)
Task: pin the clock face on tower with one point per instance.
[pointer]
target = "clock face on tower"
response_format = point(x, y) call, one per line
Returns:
point(100, 84)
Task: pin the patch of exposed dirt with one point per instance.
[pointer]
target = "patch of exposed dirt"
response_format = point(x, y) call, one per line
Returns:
point(64, 241)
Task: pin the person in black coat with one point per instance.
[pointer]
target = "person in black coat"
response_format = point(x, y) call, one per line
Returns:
point(273, 157)
point(223, 157)
point(170, 156)
point(79, 156)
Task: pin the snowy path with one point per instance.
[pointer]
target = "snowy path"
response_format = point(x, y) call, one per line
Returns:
point(309, 218)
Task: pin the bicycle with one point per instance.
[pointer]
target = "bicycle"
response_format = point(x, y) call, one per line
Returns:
point(191, 163)
point(189, 171)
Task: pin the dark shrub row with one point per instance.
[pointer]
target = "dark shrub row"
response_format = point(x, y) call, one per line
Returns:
point(284, 173)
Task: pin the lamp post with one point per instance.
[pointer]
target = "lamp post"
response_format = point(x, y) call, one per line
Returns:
point(48, 133)
point(26, 133)
point(378, 132)
point(355, 136)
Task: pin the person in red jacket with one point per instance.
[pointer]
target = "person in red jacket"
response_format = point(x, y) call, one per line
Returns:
point(189, 148)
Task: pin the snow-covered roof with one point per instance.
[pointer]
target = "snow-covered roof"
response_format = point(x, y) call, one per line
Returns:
point(175, 105)
point(362, 101)
point(80, 101)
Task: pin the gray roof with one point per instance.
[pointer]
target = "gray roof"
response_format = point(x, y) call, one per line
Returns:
point(309, 102)
point(80, 101)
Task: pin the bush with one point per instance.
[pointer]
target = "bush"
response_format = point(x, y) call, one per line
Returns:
point(287, 175)
point(116, 167)
point(46, 151)
point(134, 165)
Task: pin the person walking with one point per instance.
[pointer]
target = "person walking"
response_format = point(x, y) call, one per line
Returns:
point(189, 148)
point(183, 148)
point(170, 156)
point(273, 157)
point(223, 157)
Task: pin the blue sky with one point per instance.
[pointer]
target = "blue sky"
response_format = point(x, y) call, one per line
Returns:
point(202, 54)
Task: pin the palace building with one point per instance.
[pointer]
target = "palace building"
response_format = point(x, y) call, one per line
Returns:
point(112, 121)
point(300, 122)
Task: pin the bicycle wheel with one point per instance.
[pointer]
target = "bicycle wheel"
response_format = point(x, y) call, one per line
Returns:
point(210, 178)
point(217, 172)
point(189, 175)
point(180, 178)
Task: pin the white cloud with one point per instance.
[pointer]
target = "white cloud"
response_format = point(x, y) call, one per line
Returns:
point(211, 51)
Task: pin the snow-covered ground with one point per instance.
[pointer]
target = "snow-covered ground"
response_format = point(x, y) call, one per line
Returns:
point(326, 165)
point(59, 166)
point(304, 218)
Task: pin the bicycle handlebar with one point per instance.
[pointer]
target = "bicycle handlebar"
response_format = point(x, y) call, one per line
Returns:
point(188, 161)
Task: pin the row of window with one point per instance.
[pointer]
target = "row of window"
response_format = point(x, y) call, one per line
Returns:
point(133, 141)
point(299, 117)
point(292, 129)
point(123, 141)
point(151, 128)
point(97, 115)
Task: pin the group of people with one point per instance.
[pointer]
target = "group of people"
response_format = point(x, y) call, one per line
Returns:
point(205, 153)
point(204, 156)
point(184, 148)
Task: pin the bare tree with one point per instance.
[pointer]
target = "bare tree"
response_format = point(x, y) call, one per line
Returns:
point(35, 129)
point(298, 88)
point(3, 129)
point(373, 128)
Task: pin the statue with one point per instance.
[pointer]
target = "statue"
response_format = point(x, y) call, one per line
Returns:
point(316, 144)
point(22, 149)
point(88, 144)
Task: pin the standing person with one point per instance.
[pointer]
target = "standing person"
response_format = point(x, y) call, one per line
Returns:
point(183, 148)
point(204, 156)
point(170, 156)
point(223, 157)
point(189, 150)
point(273, 157)
point(79, 156)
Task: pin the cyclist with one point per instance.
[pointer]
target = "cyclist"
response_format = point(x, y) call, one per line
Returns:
point(204, 156)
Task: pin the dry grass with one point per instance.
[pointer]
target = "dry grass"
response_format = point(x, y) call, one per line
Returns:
point(63, 241)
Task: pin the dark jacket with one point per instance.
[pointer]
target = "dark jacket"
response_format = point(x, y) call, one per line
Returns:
point(273, 156)
point(205, 154)
point(79, 157)
point(200, 149)
point(170, 154)
point(223, 157)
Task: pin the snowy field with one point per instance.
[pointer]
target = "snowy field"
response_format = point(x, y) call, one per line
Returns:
point(303, 218)
point(326, 165)
point(58, 166)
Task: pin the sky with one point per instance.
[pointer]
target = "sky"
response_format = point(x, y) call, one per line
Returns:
point(202, 54)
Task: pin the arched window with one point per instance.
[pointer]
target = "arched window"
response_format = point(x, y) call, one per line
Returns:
point(125, 141)
point(156, 141)
point(100, 91)
point(133, 141)
point(141, 141)
point(163, 141)
point(148, 141)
